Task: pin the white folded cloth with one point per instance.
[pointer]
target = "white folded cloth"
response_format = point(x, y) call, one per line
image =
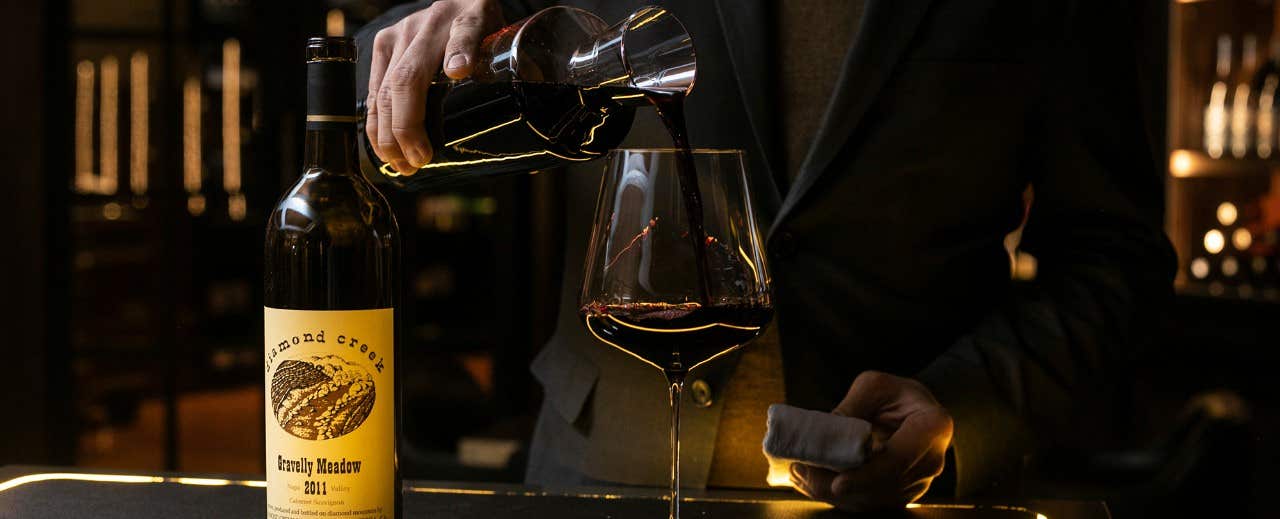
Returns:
point(815, 438)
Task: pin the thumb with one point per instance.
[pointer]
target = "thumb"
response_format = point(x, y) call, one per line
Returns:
point(869, 393)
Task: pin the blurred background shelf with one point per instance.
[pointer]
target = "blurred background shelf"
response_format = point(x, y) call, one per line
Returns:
point(1193, 164)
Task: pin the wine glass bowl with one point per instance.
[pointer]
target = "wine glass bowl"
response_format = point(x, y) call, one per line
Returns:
point(675, 273)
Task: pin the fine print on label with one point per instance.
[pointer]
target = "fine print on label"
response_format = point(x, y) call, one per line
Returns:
point(330, 413)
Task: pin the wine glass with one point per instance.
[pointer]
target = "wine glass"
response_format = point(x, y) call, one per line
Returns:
point(675, 270)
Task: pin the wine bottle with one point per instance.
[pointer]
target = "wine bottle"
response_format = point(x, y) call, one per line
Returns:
point(1242, 101)
point(330, 352)
point(1216, 114)
point(1266, 81)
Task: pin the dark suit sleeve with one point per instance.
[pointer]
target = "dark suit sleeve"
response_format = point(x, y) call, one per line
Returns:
point(1042, 369)
point(512, 10)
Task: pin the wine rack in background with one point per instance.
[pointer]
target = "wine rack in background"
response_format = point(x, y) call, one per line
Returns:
point(1223, 187)
point(184, 125)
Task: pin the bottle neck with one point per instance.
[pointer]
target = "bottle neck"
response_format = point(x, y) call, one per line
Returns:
point(331, 111)
point(331, 146)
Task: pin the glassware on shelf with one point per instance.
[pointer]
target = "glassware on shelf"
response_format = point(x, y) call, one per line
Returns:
point(1216, 116)
point(1242, 114)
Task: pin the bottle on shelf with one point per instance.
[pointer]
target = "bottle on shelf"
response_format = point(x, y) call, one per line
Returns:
point(1242, 99)
point(1266, 82)
point(1215, 112)
point(330, 292)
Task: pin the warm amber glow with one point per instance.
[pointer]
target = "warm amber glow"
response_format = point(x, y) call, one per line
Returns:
point(1216, 130)
point(1240, 121)
point(1180, 163)
point(237, 207)
point(108, 127)
point(335, 23)
point(1024, 266)
point(195, 204)
point(84, 179)
point(1230, 266)
point(1242, 238)
point(1214, 241)
point(139, 122)
point(191, 119)
point(1200, 268)
point(779, 474)
point(112, 211)
point(1227, 213)
point(231, 115)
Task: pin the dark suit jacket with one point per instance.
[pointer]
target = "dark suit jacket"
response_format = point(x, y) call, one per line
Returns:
point(887, 251)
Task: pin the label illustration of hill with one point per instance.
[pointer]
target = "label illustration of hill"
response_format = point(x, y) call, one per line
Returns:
point(321, 397)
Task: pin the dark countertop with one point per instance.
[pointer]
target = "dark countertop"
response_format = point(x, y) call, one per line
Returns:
point(71, 493)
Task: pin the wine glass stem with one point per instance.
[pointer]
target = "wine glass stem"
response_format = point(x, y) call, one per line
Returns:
point(675, 382)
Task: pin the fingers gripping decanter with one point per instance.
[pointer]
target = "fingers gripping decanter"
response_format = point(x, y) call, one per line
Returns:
point(559, 86)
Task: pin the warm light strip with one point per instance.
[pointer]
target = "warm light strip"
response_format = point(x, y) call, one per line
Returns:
point(1180, 163)
point(107, 478)
point(610, 497)
point(611, 343)
point(335, 23)
point(191, 175)
point(682, 330)
point(460, 491)
point(231, 115)
point(108, 123)
point(139, 122)
point(591, 134)
point(648, 20)
point(206, 482)
point(84, 180)
point(387, 170)
point(746, 258)
point(122, 478)
point(482, 132)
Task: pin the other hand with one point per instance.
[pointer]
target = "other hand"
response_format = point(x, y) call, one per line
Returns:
point(406, 58)
point(910, 435)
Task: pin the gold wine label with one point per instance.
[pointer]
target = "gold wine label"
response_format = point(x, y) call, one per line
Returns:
point(330, 413)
